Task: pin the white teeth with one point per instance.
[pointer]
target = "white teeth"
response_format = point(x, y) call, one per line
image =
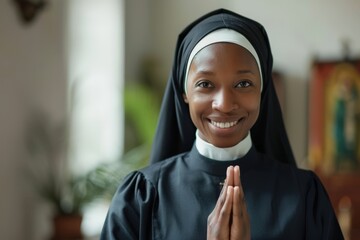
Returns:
point(223, 124)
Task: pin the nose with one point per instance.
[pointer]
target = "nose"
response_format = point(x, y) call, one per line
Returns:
point(224, 101)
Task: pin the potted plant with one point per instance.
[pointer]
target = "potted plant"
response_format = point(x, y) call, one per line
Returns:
point(68, 194)
point(47, 144)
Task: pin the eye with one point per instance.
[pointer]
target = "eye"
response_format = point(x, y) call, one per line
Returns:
point(244, 84)
point(204, 84)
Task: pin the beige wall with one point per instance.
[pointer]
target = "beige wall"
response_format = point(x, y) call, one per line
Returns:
point(33, 71)
point(32, 76)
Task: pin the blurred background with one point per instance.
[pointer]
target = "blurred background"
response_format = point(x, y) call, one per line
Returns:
point(81, 83)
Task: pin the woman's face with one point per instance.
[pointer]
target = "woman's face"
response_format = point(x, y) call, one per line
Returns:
point(223, 93)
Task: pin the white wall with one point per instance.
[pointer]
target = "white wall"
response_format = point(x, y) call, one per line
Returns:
point(32, 76)
point(299, 31)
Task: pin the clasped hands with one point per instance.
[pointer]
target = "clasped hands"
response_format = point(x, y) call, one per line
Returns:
point(229, 219)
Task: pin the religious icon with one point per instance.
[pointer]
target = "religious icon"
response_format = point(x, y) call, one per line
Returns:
point(334, 137)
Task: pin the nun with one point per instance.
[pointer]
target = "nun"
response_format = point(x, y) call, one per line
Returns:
point(221, 165)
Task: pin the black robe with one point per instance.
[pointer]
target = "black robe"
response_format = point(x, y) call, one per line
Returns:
point(173, 198)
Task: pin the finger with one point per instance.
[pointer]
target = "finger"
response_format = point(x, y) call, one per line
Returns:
point(236, 206)
point(237, 225)
point(218, 225)
point(236, 176)
point(240, 221)
point(222, 197)
point(243, 207)
point(230, 176)
point(226, 210)
point(240, 185)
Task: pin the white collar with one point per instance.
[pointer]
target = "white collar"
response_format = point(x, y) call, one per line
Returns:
point(223, 154)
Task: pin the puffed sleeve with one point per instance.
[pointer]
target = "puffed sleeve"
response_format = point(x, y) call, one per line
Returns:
point(130, 212)
point(321, 221)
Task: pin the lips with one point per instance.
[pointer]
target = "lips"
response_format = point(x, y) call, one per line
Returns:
point(223, 125)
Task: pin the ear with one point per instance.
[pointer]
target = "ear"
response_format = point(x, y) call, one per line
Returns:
point(185, 98)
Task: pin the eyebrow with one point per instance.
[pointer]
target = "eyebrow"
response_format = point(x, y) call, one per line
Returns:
point(245, 72)
point(205, 72)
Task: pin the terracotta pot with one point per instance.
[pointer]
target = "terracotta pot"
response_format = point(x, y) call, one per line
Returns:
point(67, 227)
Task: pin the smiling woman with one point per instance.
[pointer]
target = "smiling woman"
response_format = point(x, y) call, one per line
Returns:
point(220, 116)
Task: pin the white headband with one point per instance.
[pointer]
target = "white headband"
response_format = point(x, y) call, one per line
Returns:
point(222, 35)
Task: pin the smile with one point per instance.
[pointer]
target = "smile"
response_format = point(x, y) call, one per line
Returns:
point(224, 124)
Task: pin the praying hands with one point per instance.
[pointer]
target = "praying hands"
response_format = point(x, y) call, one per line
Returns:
point(229, 220)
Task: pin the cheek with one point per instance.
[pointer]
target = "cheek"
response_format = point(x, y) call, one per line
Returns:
point(253, 106)
point(198, 106)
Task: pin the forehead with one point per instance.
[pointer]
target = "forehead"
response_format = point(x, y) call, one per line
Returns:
point(223, 52)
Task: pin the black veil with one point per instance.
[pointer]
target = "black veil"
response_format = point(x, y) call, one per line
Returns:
point(175, 132)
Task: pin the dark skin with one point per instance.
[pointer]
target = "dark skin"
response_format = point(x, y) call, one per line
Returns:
point(229, 219)
point(223, 93)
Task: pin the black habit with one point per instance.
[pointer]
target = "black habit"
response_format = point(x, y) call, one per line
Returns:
point(173, 198)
